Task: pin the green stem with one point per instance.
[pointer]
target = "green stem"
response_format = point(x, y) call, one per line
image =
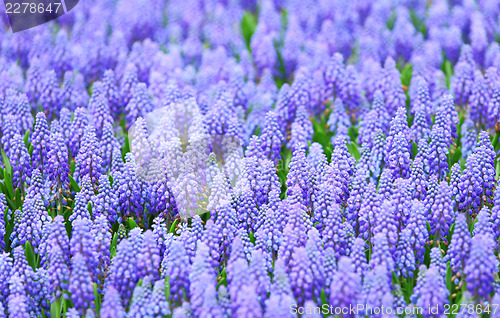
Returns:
point(495, 139)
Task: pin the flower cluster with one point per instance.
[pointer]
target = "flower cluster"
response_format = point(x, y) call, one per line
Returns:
point(242, 158)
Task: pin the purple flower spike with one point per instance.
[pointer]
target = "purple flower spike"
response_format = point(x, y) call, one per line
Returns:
point(40, 142)
point(82, 291)
point(88, 161)
point(346, 286)
point(381, 253)
point(177, 271)
point(301, 275)
point(111, 305)
point(442, 214)
point(481, 266)
point(433, 293)
point(20, 161)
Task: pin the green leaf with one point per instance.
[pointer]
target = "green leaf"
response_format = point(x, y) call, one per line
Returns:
point(406, 288)
point(321, 135)
point(66, 305)
point(222, 279)
point(252, 237)
point(353, 133)
point(174, 225)
point(395, 279)
point(97, 298)
point(6, 162)
point(73, 184)
point(449, 284)
point(497, 169)
point(30, 255)
point(26, 138)
point(353, 149)
point(452, 228)
point(167, 287)
point(417, 22)
point(8, 183)
point(495, 142)
point(18, 197)
point(427, 254)
point(56, 308)
point(323, 297)
point(114, 242)
point(414, 149)
point(406, 74)
point(67, 213)
point(126, 147)
point(72, 167)
point(390, 22)
point(11, 202)
point(448, 71)
point(131, 223)
point(248, 25)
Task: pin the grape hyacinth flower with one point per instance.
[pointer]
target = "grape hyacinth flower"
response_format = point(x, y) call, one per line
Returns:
point(28, 227)
point(6, 264)
point(88, 161)
point(358, 256)
point(139, 104)
point(123, 274)
point(479, 100)
point(82, 241)
point(301, 275)
point(102, 239)
point(436, 256)
point(58, 166)
point(458, 250)
point(346, 285)
point(483, 224)
point(59, 271)
point(369, 209)
point(177, 270)
point(106, 201)
point(436, 156)
point(140, 299)
point(40, 142)
point(10, 128)
point(481, 266)
point(381, 253)
point(433, 293)
point(77, 130)
point(377, 289)
point(463, 77)
point(338, 121)
point(468, 137)
point(148, 262)
point(111, 306)
point(99, 111)
point(386, 223)
point(128, 83)
point(405, 256)
point(271, 138)
point(442, 214)
point(398, 158)
point(82, 293)
point(82, 201)
point(21, 163)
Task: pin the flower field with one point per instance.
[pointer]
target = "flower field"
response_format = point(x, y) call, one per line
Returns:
point(253, 158)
